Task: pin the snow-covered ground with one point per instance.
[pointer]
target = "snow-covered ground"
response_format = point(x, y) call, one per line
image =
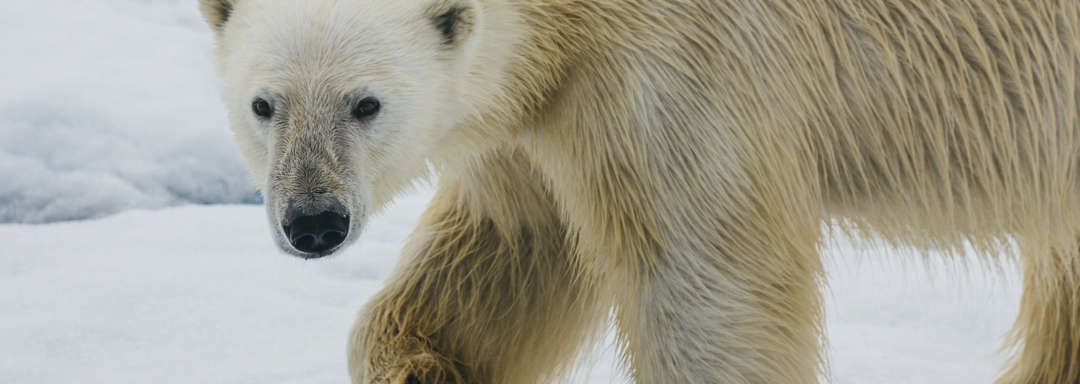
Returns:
point(107, 105)
point(199, 294)
point(111, 107)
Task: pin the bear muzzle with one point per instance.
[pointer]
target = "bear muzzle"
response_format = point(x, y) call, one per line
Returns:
point(316, 233)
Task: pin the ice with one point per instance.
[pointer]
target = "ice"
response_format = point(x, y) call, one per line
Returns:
point(199, 294)
point(110, 105)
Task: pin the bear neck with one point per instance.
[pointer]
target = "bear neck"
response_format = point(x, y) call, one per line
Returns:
point(525, 51)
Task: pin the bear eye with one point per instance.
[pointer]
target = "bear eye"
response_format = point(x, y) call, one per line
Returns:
point(262, 108)
point(366, 108)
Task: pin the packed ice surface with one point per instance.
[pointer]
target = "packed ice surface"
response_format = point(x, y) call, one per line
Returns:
point(110, 105)
point(199, 294)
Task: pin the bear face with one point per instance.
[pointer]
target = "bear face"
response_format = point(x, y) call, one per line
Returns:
point(337, 105)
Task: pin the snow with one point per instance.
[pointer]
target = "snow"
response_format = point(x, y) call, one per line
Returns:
point(110, 105)
point(199, 294)
point(110, 111)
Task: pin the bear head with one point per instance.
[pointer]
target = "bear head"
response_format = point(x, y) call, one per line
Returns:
point(336, 105)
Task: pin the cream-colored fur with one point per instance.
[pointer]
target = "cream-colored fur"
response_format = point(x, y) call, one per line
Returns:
point(670, 161)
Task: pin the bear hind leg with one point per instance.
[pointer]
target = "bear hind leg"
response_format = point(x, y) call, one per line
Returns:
point(1047, 330)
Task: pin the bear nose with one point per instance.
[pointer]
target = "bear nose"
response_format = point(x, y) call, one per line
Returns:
point(317, 233)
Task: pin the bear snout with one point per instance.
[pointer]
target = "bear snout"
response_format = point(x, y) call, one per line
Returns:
point(316, 233)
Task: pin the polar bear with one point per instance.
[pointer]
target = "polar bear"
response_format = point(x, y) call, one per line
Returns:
point(674, 164)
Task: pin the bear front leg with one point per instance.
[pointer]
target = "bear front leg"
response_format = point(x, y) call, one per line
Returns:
point(1047, 330)
point(486, 290)
point(732, 311)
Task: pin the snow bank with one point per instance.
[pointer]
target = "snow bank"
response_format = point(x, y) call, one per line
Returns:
point(199, 294)
point(110, 105)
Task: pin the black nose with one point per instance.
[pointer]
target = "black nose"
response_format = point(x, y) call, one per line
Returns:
point(317, 233)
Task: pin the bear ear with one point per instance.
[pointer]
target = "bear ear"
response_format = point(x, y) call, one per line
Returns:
point(216, 12)
point(455, 20)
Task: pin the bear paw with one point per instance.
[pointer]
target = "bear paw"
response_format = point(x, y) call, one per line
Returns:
point(426, 368)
